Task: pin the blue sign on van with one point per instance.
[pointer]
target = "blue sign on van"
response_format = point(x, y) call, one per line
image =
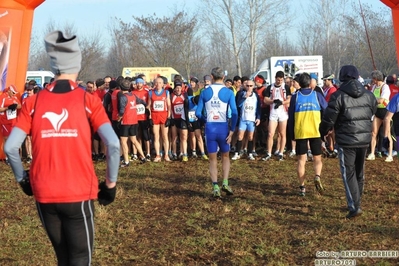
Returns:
point(284, 61)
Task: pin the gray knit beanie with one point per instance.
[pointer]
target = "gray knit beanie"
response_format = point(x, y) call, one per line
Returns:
point(65, 54)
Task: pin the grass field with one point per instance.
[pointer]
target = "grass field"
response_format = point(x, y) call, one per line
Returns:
point(164, 215)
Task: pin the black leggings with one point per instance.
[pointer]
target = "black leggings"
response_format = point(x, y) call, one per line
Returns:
point(70, 227)
point(144, 130)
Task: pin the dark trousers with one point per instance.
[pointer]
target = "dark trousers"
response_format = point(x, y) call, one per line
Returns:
point(351, 162)
point(70, 227)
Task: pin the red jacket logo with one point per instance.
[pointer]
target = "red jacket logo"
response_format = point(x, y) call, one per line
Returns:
point(56, 120)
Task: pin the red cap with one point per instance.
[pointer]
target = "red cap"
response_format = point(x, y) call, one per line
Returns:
point(11, 88)
point(259, 79)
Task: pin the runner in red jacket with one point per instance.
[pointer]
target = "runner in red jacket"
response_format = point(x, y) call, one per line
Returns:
point(62, 177)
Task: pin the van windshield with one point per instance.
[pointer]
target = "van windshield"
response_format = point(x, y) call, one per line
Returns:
point(38, 79)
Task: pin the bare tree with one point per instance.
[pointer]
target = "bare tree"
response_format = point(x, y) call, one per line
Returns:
point(91, 47)
point(92, 57)
point(226, 15)
point(335, 29)
point(262, 16)
point(381, 39)
point(357, 50)
point(235, 34)
point(38, 58)
point(153, 41)
point(327, 17)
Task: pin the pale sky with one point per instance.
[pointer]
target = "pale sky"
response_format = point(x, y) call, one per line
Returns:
point(95, 15)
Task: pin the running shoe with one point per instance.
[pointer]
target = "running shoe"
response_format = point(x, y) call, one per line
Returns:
point(124, 164)
point(148, 157)
point(236, 156)
point(134, 157)
point(227, 189)
point(194, 154)
point(281, 157)
point(302, 191)
point(28, 160)
point(353, 214)
point(327, 153)
point(370, 157)
point(292, 154)
point(389, 159)
point(143, 160)
point(157, 159)
point(102, 157)
point(276, 153)
point(254, 154)
point(251, 157)
point(267, 157)
point(7, 162)
point(310, 156)
point(216, 192)
point(318, 185)
point(205, 157)
point(167, 159)
point(379, 154)
point(185, 158)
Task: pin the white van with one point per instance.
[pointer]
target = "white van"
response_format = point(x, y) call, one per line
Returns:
point(290, 65)
point(40, 76)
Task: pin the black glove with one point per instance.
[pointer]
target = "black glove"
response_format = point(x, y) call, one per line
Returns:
point(106, 195)
point(168, 122)
point(385, 143)
point(150, 122)
point(13, 106)
point(25, 184)
point(277, 103)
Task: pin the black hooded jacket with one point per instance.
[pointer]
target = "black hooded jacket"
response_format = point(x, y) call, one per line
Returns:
point(349, 112)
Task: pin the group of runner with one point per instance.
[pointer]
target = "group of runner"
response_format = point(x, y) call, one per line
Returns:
point(155, 120)
point(163, 124)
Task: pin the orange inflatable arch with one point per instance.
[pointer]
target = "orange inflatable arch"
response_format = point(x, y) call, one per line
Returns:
point(394, 5)
point(16, 17)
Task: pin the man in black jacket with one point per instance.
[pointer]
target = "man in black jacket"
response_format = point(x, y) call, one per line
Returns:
point(350, 112)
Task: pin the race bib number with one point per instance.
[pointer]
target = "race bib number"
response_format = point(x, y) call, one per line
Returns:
point(248, 108)
point(140, 109)
point(11, 114)
point(159, 106)
point(178, 109)
point(192, 116)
